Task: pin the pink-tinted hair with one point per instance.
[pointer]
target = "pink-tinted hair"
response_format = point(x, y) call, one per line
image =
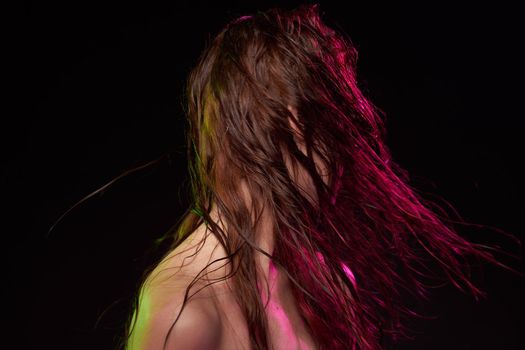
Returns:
point(369, 238)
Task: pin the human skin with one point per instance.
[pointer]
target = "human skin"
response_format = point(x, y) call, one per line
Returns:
point(216, 307)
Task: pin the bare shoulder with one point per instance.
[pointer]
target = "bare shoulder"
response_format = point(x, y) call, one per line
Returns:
point(162, 298)
point(200, 254)
point(198, 327)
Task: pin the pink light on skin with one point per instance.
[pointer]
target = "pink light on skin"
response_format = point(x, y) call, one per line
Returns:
point(279, 321)
point(320, 257)
point(350, 274)
point(346, 269)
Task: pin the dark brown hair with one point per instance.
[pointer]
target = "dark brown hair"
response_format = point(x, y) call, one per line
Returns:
point(369, 236)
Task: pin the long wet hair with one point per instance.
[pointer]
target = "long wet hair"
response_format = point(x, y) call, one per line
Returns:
point(367, 238)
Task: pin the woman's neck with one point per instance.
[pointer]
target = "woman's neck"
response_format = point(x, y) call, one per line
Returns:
point(263, 238)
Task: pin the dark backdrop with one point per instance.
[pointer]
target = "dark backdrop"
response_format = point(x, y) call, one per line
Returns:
point(98, 87)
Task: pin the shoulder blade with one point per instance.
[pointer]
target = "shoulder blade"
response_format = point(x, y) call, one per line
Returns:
point(161, 299)
point(198, 326)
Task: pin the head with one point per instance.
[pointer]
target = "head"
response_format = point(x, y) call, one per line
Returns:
point(278, 124)
point(263, 107)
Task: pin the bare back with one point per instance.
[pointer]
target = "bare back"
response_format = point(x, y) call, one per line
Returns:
point(230, 332)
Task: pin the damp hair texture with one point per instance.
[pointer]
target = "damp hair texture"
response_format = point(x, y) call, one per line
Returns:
point(370, 237)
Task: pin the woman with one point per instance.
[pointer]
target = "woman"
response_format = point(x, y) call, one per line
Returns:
point(303, 233)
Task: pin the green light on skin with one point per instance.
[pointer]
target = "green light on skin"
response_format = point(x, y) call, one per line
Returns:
point(140, 324)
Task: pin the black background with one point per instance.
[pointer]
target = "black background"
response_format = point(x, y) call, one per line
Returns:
point(98, 91)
